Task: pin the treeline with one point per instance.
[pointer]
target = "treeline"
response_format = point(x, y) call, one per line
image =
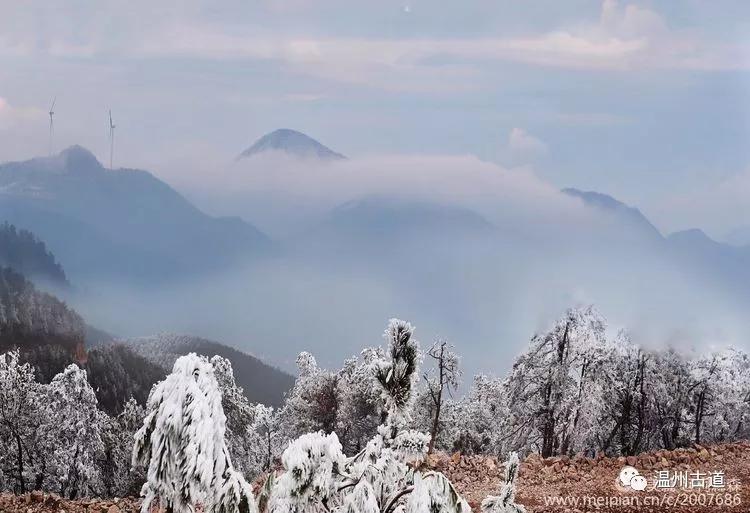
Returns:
point(574, 390)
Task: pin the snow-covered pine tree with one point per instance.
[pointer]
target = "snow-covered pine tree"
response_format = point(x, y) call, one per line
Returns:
point(182, 445)
point(506, 501)
point(397, 375)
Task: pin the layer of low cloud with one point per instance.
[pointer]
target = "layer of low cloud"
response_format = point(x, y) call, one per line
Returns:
point(486, 293)
point(280, 193)
point(716, 209)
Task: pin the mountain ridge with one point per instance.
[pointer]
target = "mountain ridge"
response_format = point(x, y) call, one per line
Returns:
point(123, 222)
point(261, 382)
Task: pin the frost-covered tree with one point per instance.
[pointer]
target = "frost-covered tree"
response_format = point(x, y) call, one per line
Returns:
point(554, 392)
point(506, 501)
point(667, 384)
point(623, 419)
point(483, 415)
point(182, 445)
point(73, 434)
point(312, 404)
point(359, 402)
point(266, 438)
point(382, 477)
point(240, 414)
point(442, 380)
point(719, 396)
point(20, 416)
point(120, 479)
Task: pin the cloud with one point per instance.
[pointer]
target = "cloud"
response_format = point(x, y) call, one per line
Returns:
point(520, 141)
point(281, 194)
point(623, 37)
point(12, 117)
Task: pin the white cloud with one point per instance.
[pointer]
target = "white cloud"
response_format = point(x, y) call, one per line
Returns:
point(12, 117)
point(625, 37)
point(520, 141)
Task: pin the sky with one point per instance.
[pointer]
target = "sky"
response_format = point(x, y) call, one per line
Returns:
point(646, 101)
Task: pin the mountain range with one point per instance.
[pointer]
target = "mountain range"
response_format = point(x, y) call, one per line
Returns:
point(475, 279)
point(123, 222)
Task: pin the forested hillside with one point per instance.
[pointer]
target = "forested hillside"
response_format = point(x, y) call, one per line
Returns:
point(262, 383)
point(30, 318)
point(23, 252)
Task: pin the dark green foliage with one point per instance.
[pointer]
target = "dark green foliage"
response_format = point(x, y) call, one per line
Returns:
point(23, 252)
point(397, 376)
point(262, 383)
point(117, 373)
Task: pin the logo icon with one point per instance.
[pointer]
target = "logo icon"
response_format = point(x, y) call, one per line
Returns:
point(630, 478)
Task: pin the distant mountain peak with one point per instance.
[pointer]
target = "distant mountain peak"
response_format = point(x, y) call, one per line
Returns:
point(79, 158)
point(293, 143)
point(607, 203)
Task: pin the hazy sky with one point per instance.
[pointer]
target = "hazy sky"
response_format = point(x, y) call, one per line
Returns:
point(647, 101)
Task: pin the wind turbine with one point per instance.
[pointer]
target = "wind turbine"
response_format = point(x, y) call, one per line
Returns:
point(51, 124)
point(111, 139)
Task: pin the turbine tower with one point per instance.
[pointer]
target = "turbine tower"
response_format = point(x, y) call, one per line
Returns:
point(51, 124)
point(111, 139)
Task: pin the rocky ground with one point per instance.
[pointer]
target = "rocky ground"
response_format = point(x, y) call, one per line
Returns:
point(553, 485)
point(549, 485)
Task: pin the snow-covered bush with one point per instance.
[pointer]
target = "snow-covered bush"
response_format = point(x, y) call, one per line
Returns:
point(506, 501)
point(434, 493)
point(182, 445)
point(312, 465)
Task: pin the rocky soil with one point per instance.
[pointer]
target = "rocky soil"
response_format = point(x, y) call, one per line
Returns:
point(541, 481)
